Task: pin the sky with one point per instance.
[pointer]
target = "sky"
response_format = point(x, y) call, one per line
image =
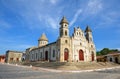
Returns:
point(23, 21)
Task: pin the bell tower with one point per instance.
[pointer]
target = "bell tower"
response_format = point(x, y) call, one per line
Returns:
point(64, 31)
point(91, 45)
point(64, 41)
point(88, 35)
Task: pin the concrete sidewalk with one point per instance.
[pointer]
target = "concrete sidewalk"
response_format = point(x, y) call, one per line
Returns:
point(74, 71)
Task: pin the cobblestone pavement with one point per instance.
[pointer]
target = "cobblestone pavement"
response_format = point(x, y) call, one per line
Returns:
point(17, 72)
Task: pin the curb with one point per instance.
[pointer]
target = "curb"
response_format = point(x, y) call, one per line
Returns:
point(79, 71)
point(54, 70)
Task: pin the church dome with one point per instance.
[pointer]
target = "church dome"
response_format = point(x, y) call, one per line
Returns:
point(64, 20)
point(43, 38)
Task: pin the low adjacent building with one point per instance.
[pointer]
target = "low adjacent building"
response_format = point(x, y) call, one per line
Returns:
point(13, 56)
point(2, 58)
point(113, 57)
point(101, 58)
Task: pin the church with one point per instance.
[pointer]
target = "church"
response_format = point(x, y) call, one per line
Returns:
point(79, 47)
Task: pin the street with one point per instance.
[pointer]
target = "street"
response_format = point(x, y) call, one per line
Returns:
point(16, 72)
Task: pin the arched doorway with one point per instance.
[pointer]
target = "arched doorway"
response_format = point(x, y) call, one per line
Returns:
point(92, 55)
point(46, 55)
point(81, 55)
point(66, 54)
point(116, 60)
point(110, 59)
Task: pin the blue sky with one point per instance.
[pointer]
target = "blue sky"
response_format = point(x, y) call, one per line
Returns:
point(23, 21)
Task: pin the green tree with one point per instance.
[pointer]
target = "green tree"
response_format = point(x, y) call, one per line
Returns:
point(105, 51)
point(98, 53)
point(114, 50)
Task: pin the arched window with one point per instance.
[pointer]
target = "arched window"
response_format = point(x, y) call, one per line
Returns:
point(79, 33)
point(81, 44)
point(36, 55)
point(60, 33)
point(53, 53)
point(66, 41)
point(40, 54)
point(66, 50)
point(32, 56)
point(65, 32)
point(65, 25)
point(91, 46)
point(41, 42)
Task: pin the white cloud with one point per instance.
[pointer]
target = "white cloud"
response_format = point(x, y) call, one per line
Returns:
point(37, 15)
point(50, 1)
point(107, 20)
point(33, 11)
point(51, 22)
point(94, 6)
point(53, 1)
point(79, 11)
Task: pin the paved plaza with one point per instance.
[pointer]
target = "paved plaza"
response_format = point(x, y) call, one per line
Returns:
point(17, 72)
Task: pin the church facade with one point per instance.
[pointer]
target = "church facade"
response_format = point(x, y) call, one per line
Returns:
point(79, 47)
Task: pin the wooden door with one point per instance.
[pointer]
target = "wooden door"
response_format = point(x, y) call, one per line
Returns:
point(66, 54)
point(92, 56)
point(46, 55)
point(81, 55)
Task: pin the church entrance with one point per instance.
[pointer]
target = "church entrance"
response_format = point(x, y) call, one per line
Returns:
point(66, 54)
point(81, 55)
point(46, 55)
point(92, 55)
